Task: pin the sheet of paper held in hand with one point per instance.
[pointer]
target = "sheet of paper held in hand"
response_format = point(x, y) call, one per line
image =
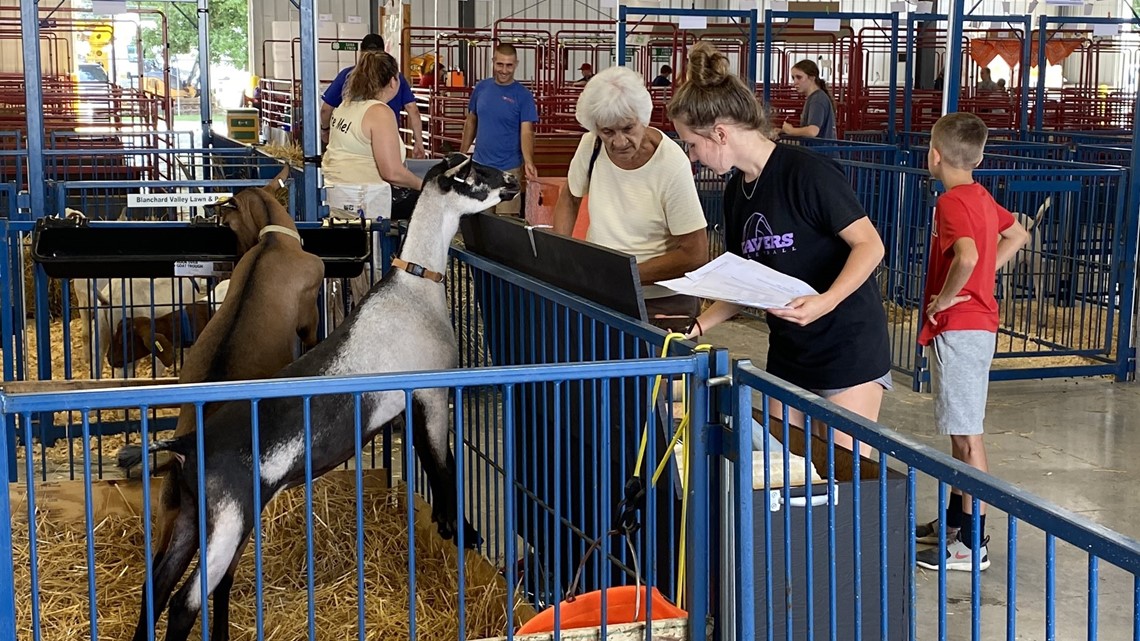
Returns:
point(742, 281)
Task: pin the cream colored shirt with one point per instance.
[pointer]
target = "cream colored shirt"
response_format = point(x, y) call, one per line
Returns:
point(636, 211)
point(348, 159)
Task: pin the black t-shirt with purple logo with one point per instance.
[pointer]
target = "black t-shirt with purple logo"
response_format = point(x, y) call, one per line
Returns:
point(789, 220)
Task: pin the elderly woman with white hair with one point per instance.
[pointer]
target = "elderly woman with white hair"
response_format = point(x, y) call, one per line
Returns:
point(643, 200)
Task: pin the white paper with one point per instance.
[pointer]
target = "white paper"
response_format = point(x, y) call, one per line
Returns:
point(354, 20)
point(778, 5)
point(1032, 7)
point(1088, 9)
point(925, 6)
point(899, 7)
point(741, 281)
point(326, 17)
point(1105, 30)
point(1005, 8)
point(609, 3)
point(693, 22)
point(827, 24)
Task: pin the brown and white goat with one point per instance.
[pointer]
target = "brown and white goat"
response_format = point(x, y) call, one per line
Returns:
point(410, 300)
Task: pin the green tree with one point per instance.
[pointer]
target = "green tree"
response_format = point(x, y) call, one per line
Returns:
point(229, 31)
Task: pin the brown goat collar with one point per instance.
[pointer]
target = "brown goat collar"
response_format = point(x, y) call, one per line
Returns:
point(292, 233)
point(417, 270)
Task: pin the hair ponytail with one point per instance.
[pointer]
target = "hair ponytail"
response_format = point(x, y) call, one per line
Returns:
point(712, 92)
point(374, 70)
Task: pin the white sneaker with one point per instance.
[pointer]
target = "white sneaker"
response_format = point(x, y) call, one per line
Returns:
point(958, 557)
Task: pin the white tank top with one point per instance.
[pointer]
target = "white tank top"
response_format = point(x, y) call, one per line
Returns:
point(348, 159)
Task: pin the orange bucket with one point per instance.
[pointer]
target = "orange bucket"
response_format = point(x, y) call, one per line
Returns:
point(624, 604)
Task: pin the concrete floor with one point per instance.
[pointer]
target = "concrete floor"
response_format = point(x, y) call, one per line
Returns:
point(1071, 441)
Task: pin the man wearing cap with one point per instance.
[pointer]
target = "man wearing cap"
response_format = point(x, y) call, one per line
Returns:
point(587, 72)
point(500, 121)
point(404, 99)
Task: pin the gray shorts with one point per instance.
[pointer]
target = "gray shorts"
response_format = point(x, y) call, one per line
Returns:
point(884, 380)
point(960, 377)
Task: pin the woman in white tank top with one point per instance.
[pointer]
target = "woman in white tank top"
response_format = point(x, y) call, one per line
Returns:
point(364, 142)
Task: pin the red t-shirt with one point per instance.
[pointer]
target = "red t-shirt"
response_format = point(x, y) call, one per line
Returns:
point(966, 211)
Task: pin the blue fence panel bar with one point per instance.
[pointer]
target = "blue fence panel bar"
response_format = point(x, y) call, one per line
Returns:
point(493, 381)
point(558, 328)
point(903, 478)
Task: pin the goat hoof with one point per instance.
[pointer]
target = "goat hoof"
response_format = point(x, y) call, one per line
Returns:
point(471, 537)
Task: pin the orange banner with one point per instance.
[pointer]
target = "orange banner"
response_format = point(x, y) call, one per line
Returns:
point(984, 50)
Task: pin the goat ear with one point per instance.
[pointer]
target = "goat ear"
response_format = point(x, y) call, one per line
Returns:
point(278, 181)
point(163, 348)
point(456, 159)
point(460, 171)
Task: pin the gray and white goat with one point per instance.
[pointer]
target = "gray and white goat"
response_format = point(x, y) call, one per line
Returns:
point(409, 302)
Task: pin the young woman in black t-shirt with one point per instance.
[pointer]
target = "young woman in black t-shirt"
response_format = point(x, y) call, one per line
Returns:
point(794, 211)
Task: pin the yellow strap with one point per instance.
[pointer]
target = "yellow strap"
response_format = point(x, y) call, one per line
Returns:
point(680, 434)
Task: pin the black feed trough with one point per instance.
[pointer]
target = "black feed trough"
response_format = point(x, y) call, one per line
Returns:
point(68, 248)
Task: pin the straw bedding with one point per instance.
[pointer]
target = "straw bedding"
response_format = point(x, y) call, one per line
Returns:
point(119, 570)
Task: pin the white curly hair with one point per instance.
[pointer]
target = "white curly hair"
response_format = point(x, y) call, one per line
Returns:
point(612, 96)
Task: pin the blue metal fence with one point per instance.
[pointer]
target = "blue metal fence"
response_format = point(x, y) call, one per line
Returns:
point(836, 559)
point(486, 450)
point(515, 479)
point(545, 441)
point(1065, 299)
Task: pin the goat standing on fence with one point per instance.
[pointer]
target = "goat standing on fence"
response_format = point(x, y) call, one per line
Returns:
point(270, 302)
point(409, 302)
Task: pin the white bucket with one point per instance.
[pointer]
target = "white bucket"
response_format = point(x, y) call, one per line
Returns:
point(366, 201)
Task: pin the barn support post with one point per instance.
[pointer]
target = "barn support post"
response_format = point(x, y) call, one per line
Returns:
point(33, 95)
point(310, 117)
point(1026, 63)
point(203, 71)
point(953, 69)
point(1127, 340)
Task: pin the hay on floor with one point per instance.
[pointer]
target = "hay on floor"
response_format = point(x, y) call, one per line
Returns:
point(119, 571)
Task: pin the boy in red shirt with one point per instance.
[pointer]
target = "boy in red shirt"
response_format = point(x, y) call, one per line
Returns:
point(971, 237)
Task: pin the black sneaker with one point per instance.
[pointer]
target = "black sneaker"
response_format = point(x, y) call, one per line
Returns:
point(928, 533)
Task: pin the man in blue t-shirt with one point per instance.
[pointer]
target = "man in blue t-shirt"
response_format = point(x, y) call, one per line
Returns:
point(500, 121)
point(404, 100)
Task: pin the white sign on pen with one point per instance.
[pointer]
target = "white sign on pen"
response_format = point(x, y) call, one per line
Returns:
point(1105, 30)
point(175, 200)
point(108, 7)
point(693, 22)
point(898, 7)
point(925, 6)
point(354, 20)
point(828, 24)
point(203, 268)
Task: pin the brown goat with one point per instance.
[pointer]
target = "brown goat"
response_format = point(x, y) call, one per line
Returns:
point(160, 336)
point(271, 302)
